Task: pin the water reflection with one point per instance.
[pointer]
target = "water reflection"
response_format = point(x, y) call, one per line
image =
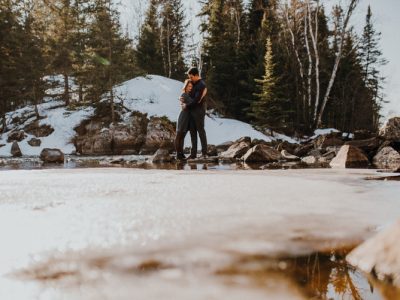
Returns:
point(319, 276)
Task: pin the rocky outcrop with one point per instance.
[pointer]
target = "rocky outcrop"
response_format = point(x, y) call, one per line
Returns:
point(387, 158)
point(261, 154)
point(380, 255)
point(34, 142)
point(369, 146)
point(350, 157)
point(161, 156)
point(391, 130)
point(137, 135)
point(16, 136)
point(15, 150)
point(52, 155)
point(160, 134)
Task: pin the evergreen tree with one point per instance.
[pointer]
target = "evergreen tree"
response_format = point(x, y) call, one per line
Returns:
point(371, 60)
point(148, 52)
point(112, 57)
point(172, 38)
point(269, 108)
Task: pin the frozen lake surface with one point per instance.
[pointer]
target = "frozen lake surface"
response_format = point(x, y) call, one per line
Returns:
point(164, 234)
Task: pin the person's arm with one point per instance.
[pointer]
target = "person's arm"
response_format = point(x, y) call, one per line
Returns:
point(198, 96)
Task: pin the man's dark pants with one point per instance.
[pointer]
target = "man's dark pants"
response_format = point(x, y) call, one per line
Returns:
point(198, 114)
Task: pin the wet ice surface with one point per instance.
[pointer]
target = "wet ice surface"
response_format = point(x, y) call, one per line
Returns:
point(155, 234)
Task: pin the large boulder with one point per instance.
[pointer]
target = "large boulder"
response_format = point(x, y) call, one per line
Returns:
point(15, 150)
point(261, 154)
point(160, 134)
point(236, 150)
point(16, 136)
point(52, 155)
point(162, 156)
point(369, 146)
point(224, 146)
point(391, 130)
point(387, 158)
point(380, 255)
point(350, 157)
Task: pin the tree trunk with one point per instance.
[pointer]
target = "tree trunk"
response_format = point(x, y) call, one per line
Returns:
point(350, 10)
point(66, 89)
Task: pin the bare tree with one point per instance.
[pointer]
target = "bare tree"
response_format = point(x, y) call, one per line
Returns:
point(340, 32)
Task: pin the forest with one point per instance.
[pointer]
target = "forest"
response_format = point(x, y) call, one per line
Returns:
point(289, 66)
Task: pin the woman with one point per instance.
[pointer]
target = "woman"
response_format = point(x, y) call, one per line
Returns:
point(184, 120)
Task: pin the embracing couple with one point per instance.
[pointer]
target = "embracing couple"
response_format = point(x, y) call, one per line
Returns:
point(192, 115)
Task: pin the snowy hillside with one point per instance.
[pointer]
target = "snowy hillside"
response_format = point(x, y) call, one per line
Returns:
point(154, 95)
point(159, 96)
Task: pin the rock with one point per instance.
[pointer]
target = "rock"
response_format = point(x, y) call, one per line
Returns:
point(349, 157)
point(224, 146)
point(38, 130)
point(16, 136)
point(160, 134)
point(255, 142)
point(363, 134)
point(302, 150)
point(162, 156)
point(317, 153)
point(380, 255)
point(245, 139)
point(328, 156)
point(309, 160)
point(212, 150)
point(52, 155)
point(129, 152)
point(15, 150)
point(391, 130)
point(2, 145)
point(387, 158)
point(289, 147)
point(34, 142)
point(126, 137)
point(287, 156)
point(329, 140)
point(237, 150)
point(368, 146)
point(261, 153)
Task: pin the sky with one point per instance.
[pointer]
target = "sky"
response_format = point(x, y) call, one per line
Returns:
point(385, 15)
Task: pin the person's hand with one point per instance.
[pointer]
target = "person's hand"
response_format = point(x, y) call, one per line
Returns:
point(183, 106)
point(182, 100)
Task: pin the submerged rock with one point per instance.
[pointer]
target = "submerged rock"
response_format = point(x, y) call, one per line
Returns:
point(391, 130)
point(15, 150)
point(380, 255)
point(350, 157)
point(52, 155)
point(387, 158)
point(261, 153)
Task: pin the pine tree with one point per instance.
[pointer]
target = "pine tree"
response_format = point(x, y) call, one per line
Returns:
point(148, 52)
point(111, 54)
point(269, 108)
point(371, 60)
point(172, 38)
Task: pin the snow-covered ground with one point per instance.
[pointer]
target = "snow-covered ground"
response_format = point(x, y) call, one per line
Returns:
point(82, 234)
point(159, 96)
point(154, 95)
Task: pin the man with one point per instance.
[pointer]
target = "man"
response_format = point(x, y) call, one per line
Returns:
point(197, 110)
